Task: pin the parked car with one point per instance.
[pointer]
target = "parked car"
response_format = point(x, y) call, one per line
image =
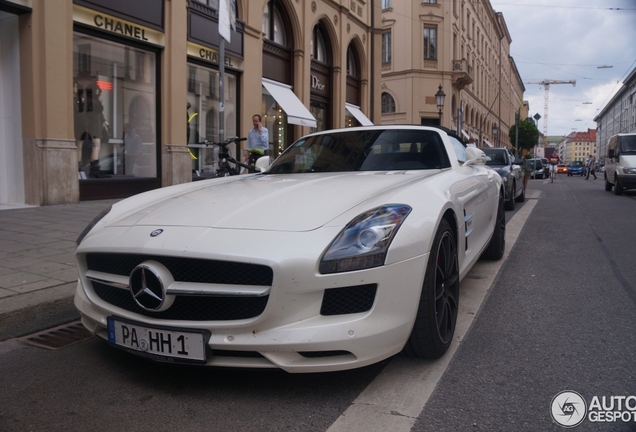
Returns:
point(546, 167)
point(576, 168)
point(501, 161)
point(348, 249)
point(561, 168)
point(620, 164)
point(537, 167)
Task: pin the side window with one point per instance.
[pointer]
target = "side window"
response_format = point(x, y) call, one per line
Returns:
point(460, 150)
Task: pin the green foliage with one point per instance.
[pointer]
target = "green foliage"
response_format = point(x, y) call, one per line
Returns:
point(528, 134)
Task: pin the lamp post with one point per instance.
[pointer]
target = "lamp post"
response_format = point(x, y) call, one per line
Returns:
point(440, 96)
point(495, 133)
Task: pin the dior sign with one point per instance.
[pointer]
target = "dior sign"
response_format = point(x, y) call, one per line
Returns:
point(316, 84)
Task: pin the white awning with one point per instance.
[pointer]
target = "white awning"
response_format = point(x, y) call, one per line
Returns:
point(359, 115)
point(488, 143)
point(296, 112)
point(465, 134)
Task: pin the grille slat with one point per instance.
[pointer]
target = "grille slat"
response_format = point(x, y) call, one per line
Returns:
point(186, 269)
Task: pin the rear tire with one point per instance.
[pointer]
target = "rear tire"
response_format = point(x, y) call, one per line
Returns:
point(497, 245)
point(436, 318)
point(522, 197)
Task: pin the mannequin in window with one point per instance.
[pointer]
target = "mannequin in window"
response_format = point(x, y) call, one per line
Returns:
point(90, 128)
point(132, 149)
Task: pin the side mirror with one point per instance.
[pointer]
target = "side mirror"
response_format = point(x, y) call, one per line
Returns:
point(262, 163)
point(475, 156)
point(611, 153)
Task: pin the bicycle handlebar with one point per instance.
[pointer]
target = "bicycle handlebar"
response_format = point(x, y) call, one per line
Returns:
point(206, 143)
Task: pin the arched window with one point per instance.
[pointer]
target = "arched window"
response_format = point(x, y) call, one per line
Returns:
point(318, 46)
point(273, 26)
point(388, 104)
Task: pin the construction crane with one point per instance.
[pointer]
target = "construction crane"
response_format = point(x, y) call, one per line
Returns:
point(546, 85)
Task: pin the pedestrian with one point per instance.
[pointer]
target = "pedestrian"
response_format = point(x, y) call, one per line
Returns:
point(591, 167)
point(471, 142)
point(258, 136)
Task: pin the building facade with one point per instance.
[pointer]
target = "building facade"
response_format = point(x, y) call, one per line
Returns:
point(577, 146)
point(618, 116)
point(100, 98)
point(462, 46)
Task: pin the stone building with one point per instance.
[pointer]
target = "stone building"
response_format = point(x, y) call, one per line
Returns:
point(462, 46)
point(618, 116)
point(99, 98)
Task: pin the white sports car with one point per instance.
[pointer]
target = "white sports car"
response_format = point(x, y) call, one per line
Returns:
point(348, 249)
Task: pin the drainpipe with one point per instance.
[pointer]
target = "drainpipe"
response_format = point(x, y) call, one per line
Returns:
point(372, 81)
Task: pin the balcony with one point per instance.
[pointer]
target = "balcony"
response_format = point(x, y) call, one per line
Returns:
point(462, 74)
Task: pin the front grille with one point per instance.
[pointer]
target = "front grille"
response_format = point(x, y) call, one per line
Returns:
point(321, 354)
point(193, 308)
point(348, 300)
point(194, 270)
point(185, 269)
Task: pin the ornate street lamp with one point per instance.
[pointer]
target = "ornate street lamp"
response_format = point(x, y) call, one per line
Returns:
point(495, 133)
point(440, 96)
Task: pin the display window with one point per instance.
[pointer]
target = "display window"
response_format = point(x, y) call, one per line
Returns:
point(115, 95)
point(203, 115)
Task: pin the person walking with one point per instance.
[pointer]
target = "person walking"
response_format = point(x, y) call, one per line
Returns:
point(591, 166)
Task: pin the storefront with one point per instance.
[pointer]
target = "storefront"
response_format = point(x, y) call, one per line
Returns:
point(11, 153)
point(203, 89)
point(116, 91)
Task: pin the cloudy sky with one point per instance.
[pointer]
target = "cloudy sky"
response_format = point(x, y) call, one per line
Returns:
point(571, 40)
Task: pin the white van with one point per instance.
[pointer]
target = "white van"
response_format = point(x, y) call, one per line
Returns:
point(620, 165)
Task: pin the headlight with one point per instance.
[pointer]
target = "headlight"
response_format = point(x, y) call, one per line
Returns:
point(363, 243)
point(629, 170)
point(91, 225)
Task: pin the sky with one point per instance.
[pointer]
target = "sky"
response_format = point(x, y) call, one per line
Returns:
point(592, 42)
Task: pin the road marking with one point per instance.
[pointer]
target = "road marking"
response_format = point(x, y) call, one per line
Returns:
point(395, 398)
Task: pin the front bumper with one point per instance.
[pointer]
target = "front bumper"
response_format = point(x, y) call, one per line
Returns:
point(291, 333)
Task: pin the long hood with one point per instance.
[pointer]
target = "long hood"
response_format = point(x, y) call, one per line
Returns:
point(299, 202)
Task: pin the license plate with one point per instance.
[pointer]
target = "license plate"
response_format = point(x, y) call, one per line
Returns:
point(157, 343)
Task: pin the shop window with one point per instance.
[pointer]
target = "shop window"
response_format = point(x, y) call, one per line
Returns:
point(115, 115)
point(388, 104)
point(203, 115)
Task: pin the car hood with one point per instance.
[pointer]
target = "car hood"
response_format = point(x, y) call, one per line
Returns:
point(298, 202)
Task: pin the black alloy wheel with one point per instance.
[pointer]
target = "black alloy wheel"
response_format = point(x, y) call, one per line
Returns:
point(439, 303)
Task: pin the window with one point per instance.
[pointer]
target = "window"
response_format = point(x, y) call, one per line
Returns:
point(273, 25)
point(388, 104)
point(386, 47)
point(430, 43)
point(429, 1)
point(318, 47)
point(115, 121)
point(386, 4)
point(214, 4)
point(351, 63)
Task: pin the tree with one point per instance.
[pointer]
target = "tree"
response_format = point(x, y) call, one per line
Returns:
point(528, 134)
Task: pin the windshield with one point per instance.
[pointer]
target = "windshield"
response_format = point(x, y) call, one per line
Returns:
point(363, 150)
point(497, 157)
point(576, 164)
point(628, 145)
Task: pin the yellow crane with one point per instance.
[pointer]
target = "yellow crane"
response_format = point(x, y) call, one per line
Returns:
point(546, 85)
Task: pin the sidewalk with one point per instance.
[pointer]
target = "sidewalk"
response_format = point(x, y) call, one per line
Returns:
point(38, 273)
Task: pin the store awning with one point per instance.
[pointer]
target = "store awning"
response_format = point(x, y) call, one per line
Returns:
point(465, 134)
point(488, 143)
point(296, 112)
point(359, 115)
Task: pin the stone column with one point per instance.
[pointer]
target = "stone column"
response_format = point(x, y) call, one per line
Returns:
point(46, 62)
point(176, 161)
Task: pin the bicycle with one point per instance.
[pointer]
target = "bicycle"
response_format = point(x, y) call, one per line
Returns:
point(225, 158)
point(552, 173)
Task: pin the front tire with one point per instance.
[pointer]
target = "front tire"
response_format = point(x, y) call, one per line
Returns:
point(618, 187)
point(522, 196)
point(510, 204)
point(436, 317)
point(608, 185)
